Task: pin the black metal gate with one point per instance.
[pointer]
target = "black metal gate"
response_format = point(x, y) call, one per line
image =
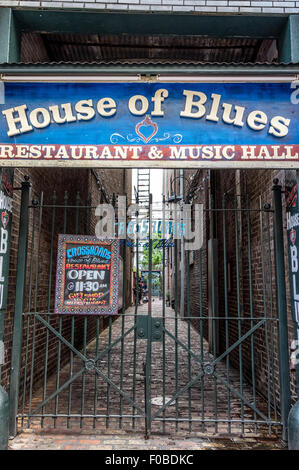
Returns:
point(213, 367)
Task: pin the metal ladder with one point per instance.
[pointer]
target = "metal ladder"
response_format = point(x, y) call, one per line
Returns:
point(143, 189)
point(143, 193)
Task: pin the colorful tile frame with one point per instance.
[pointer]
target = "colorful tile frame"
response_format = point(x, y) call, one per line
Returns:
point(60, 307)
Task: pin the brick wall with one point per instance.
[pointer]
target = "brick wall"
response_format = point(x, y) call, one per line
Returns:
point(68, 184)
point(255, 186)
point(179, 6)
point(198, 282)
point(198, 270)
point(258, 186)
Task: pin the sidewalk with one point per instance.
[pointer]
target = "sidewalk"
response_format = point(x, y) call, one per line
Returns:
point(31, 440)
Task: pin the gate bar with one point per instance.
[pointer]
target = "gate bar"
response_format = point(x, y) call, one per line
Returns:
point(164, 310)
point(148, 377)
point(252, 341)
point(124, 251)
point(285, 394)
point(135, 310)
point(265, 302)
point(19, 307)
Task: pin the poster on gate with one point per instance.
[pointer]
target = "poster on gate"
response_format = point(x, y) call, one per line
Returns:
point(87, 279)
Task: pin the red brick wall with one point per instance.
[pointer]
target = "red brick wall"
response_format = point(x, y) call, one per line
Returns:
point(255, 185)
point(198, 270)
point(75, 182)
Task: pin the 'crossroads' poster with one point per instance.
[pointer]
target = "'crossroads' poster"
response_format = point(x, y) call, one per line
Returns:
point(87, 275)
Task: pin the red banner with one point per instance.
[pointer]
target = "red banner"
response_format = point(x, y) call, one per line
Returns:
point(18, 154)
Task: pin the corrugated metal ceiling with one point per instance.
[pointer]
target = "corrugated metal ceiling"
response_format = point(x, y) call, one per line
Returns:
point(150, 49)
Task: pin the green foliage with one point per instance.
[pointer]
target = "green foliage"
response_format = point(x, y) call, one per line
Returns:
point(156, 253)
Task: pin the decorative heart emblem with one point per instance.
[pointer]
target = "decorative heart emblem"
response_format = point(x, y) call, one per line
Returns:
point(293, 236)
point(5, 219)
point(146, 129)
point(294, 200)
point(291, 196)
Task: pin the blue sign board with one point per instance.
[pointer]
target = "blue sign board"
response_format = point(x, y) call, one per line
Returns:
point(126, 124)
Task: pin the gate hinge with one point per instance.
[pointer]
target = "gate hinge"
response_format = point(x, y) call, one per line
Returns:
point(154, 324)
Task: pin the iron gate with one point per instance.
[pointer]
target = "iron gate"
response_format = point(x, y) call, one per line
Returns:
point(153, 368)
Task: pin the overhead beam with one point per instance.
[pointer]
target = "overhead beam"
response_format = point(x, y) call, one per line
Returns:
point(9, 36)
point(130, 69)
point(87, 22)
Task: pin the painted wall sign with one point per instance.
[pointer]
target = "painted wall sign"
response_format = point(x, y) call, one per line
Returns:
point(87, 278)
point(129, 124)
point(292, 214)
point(6, 208)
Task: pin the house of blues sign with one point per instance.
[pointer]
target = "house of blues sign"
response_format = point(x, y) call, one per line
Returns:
point(87, 275)
point(129, 124)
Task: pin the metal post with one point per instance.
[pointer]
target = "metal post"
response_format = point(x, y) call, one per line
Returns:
point(293, 443)
point(9, 52)
point(285, 394)
point(4, 412)
point(182, 267)
point(19, 306)
point(148, 377)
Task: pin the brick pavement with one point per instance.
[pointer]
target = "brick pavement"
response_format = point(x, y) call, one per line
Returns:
point(31, 440)
point(194, 413)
